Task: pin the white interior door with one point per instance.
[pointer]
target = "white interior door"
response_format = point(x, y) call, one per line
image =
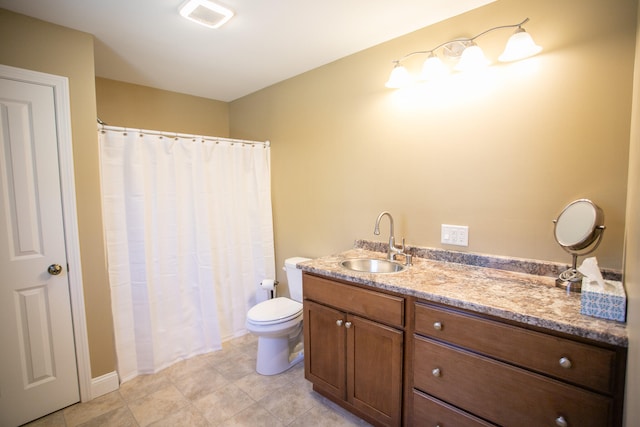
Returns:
point(38, 371)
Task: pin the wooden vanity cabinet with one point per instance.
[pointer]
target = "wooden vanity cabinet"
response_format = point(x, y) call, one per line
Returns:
point(467, 369)
point(353, 340)
point(455, 367)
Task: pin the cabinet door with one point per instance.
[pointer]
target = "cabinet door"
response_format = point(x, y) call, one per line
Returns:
point(324, 348)
point(374, 369)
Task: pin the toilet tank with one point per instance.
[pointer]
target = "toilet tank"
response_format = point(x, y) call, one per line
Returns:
point(294, 277)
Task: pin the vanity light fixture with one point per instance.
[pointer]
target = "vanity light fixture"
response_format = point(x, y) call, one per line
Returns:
point(205, 13)
point(468, 54)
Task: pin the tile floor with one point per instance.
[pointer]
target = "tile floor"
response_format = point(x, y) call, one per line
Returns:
point(216, 389)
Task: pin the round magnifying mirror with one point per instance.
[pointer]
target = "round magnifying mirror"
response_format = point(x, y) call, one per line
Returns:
point(579, 226)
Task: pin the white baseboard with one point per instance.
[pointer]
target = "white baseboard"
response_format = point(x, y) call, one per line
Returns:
point(104, 384)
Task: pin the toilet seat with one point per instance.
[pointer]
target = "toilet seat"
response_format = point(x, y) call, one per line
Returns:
point(276, 310)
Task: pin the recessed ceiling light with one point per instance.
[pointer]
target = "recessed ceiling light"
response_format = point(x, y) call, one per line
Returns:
point(205, 13)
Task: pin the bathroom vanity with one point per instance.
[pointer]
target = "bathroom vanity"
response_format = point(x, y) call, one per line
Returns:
point(354, 341)
point(449, 344)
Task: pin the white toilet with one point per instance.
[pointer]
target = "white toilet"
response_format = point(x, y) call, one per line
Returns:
point(278, 324)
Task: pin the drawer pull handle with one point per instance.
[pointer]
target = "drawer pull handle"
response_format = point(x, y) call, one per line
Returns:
point(339, 322)
point(437, 326)
point(347, 325)
point(436, 372)
point(561, 422)
point(565, 362)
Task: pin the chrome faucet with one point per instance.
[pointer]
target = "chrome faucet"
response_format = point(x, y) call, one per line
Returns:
point(393, 249)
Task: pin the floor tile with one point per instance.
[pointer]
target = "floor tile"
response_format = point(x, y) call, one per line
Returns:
point(158, 405)
point(121, 417)
point(240, 365)
point(253, 417)
point(258, 386)
point(189, 367)
point(142, 386)
point(188, 416)
point(83, 412)
point(287, 403)
point(328, 416)
point(52, 420)
point(199, 384)
point(223, 404)
point(218, 389)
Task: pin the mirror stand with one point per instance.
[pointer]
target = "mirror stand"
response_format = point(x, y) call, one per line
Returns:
point(579, 226)
point(571, 278)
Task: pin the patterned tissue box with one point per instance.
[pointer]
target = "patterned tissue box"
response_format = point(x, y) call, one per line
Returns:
point(608, 303)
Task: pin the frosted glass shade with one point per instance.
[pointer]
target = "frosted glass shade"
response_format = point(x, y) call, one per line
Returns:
point(519, 46)
point(472, 58)
point(399, 77)
point(433, 69)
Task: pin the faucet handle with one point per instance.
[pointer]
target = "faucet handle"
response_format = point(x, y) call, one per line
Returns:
point(408, 260)
point(403, 244)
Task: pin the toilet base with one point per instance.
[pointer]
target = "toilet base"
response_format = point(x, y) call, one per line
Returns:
point(276, 355)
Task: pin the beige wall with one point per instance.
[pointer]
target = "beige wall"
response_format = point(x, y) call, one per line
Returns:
point(141, 107)
point(40, 46)
point(502, 155)
point(632, 253)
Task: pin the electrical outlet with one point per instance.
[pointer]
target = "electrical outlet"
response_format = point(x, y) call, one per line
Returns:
point(454, 235)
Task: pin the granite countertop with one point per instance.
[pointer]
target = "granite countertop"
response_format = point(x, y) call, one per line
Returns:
point(522, 297)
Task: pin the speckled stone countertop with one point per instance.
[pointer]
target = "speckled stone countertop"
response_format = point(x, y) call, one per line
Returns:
point(522, 297)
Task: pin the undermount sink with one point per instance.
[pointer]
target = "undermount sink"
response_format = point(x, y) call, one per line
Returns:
point(370, 265)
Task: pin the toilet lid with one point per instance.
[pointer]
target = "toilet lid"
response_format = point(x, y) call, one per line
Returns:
point(274, 310)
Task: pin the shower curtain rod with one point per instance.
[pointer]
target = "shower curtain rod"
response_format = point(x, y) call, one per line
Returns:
point(103, 126)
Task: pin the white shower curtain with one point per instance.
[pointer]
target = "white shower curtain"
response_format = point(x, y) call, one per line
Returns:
point(189, 235)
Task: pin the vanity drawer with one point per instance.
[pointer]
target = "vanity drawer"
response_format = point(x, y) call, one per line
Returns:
point(501, 393)
point(579, 363)
point(373, 305)
point(429, 411)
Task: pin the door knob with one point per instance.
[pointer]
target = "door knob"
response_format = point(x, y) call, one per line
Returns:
point(54, 269)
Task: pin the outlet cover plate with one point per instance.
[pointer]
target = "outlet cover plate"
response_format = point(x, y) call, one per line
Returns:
point(454, 235)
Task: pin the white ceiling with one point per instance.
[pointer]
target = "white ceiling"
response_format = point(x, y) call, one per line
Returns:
point(147, 42)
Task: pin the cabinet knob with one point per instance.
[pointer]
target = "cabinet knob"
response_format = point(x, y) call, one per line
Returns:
point(339, 322)
point(561, 422)
point(437, 326)
point(565, 362)
point(347, 325)
point(436, 372)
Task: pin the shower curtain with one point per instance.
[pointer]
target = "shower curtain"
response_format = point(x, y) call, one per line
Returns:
point(189, 235)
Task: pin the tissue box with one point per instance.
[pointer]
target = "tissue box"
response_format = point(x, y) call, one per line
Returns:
point(608, 303)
